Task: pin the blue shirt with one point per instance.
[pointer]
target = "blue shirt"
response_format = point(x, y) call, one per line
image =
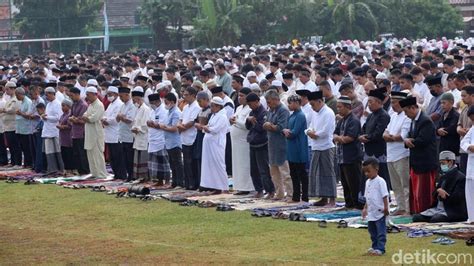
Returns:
point(297, 142)
point(24, 126)
point(173, 139)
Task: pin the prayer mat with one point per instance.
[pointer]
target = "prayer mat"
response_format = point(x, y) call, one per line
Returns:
point(339, 215)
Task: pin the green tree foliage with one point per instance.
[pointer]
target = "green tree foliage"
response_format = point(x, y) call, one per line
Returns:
point(159, 14)
point(230, 22)
point(418, 18)
point(350, 19)
point(220, 22)
point(50, 18)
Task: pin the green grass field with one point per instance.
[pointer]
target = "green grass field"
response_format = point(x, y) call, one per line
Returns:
point(51, 225)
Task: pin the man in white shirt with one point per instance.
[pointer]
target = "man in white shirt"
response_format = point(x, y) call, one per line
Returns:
point(50, 133)
point(420, 86)
point(306, 83)
point(140, 133)
point(397, 155)
point(322, 180)
point(125, 136)
point(111, 131)
point(12, 105)
point(3, 148)
point(188, 137)
point(158, 160)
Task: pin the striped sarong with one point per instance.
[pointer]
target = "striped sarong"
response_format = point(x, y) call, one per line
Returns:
point(140, 165)
point(159, 165)
point(322, 179)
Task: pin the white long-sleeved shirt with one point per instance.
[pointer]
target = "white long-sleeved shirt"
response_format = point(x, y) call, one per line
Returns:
point(53, 114)
point(399, 125)
point(156, 137)
point(141, 138)
point(323, 124)
point(190, 113)
point(129, 110)
point(110, 116)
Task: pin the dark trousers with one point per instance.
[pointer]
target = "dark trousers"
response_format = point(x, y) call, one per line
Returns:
point(463, 162)
point(259, 170)
point(68, 157)
point(128, 153)
point(176, 164)
point(14, 146)
point(25, 148)
point(117, 161)
point(80, 155)
point(228, 155)
point(40, 157)
point(351, 175)
point(378, 234)
point(299, 177)
point(3, 150)
point(383, 173)
point(190, 168)
point(437, 218)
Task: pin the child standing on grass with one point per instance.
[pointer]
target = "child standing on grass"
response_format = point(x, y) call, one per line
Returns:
point(376, 206)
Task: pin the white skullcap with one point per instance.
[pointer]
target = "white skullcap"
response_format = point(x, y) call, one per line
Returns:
point(91, 89)
point(211, 83)
point(67, 102)
point(138, 88)
point(10, 84)
point(381, 76)
point(218, 101)
point(232, 71)
point(112, 89)
point(92, 82)
point(251, 74)
point(50, 89)
point(276, 83)
point(14, 80)
point(167, 83)
point(254, 86)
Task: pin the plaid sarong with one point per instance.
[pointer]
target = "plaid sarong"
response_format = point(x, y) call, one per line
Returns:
point(140, 165)
point(159, 165)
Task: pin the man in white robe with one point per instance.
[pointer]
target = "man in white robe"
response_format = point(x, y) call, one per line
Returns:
point(467, 144)
point(94, 134)
point(213, 171)
point(240, 147)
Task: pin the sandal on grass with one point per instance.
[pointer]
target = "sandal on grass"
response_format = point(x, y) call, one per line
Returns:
point(470, 242)
point(323, 224)
point(342, 224)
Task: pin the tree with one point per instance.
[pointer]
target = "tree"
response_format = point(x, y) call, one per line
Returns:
point(50, 18)
point(159, 14)
point(351, 19)
point(220, 22)
point(434, 18)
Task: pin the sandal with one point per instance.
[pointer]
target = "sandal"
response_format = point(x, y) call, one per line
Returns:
point(439, 240)
point(342, 224)
point(31, 182)
point(11, 180)
point(447, 241)
point(470, 242)
point(393, 229)
point(323, 224)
